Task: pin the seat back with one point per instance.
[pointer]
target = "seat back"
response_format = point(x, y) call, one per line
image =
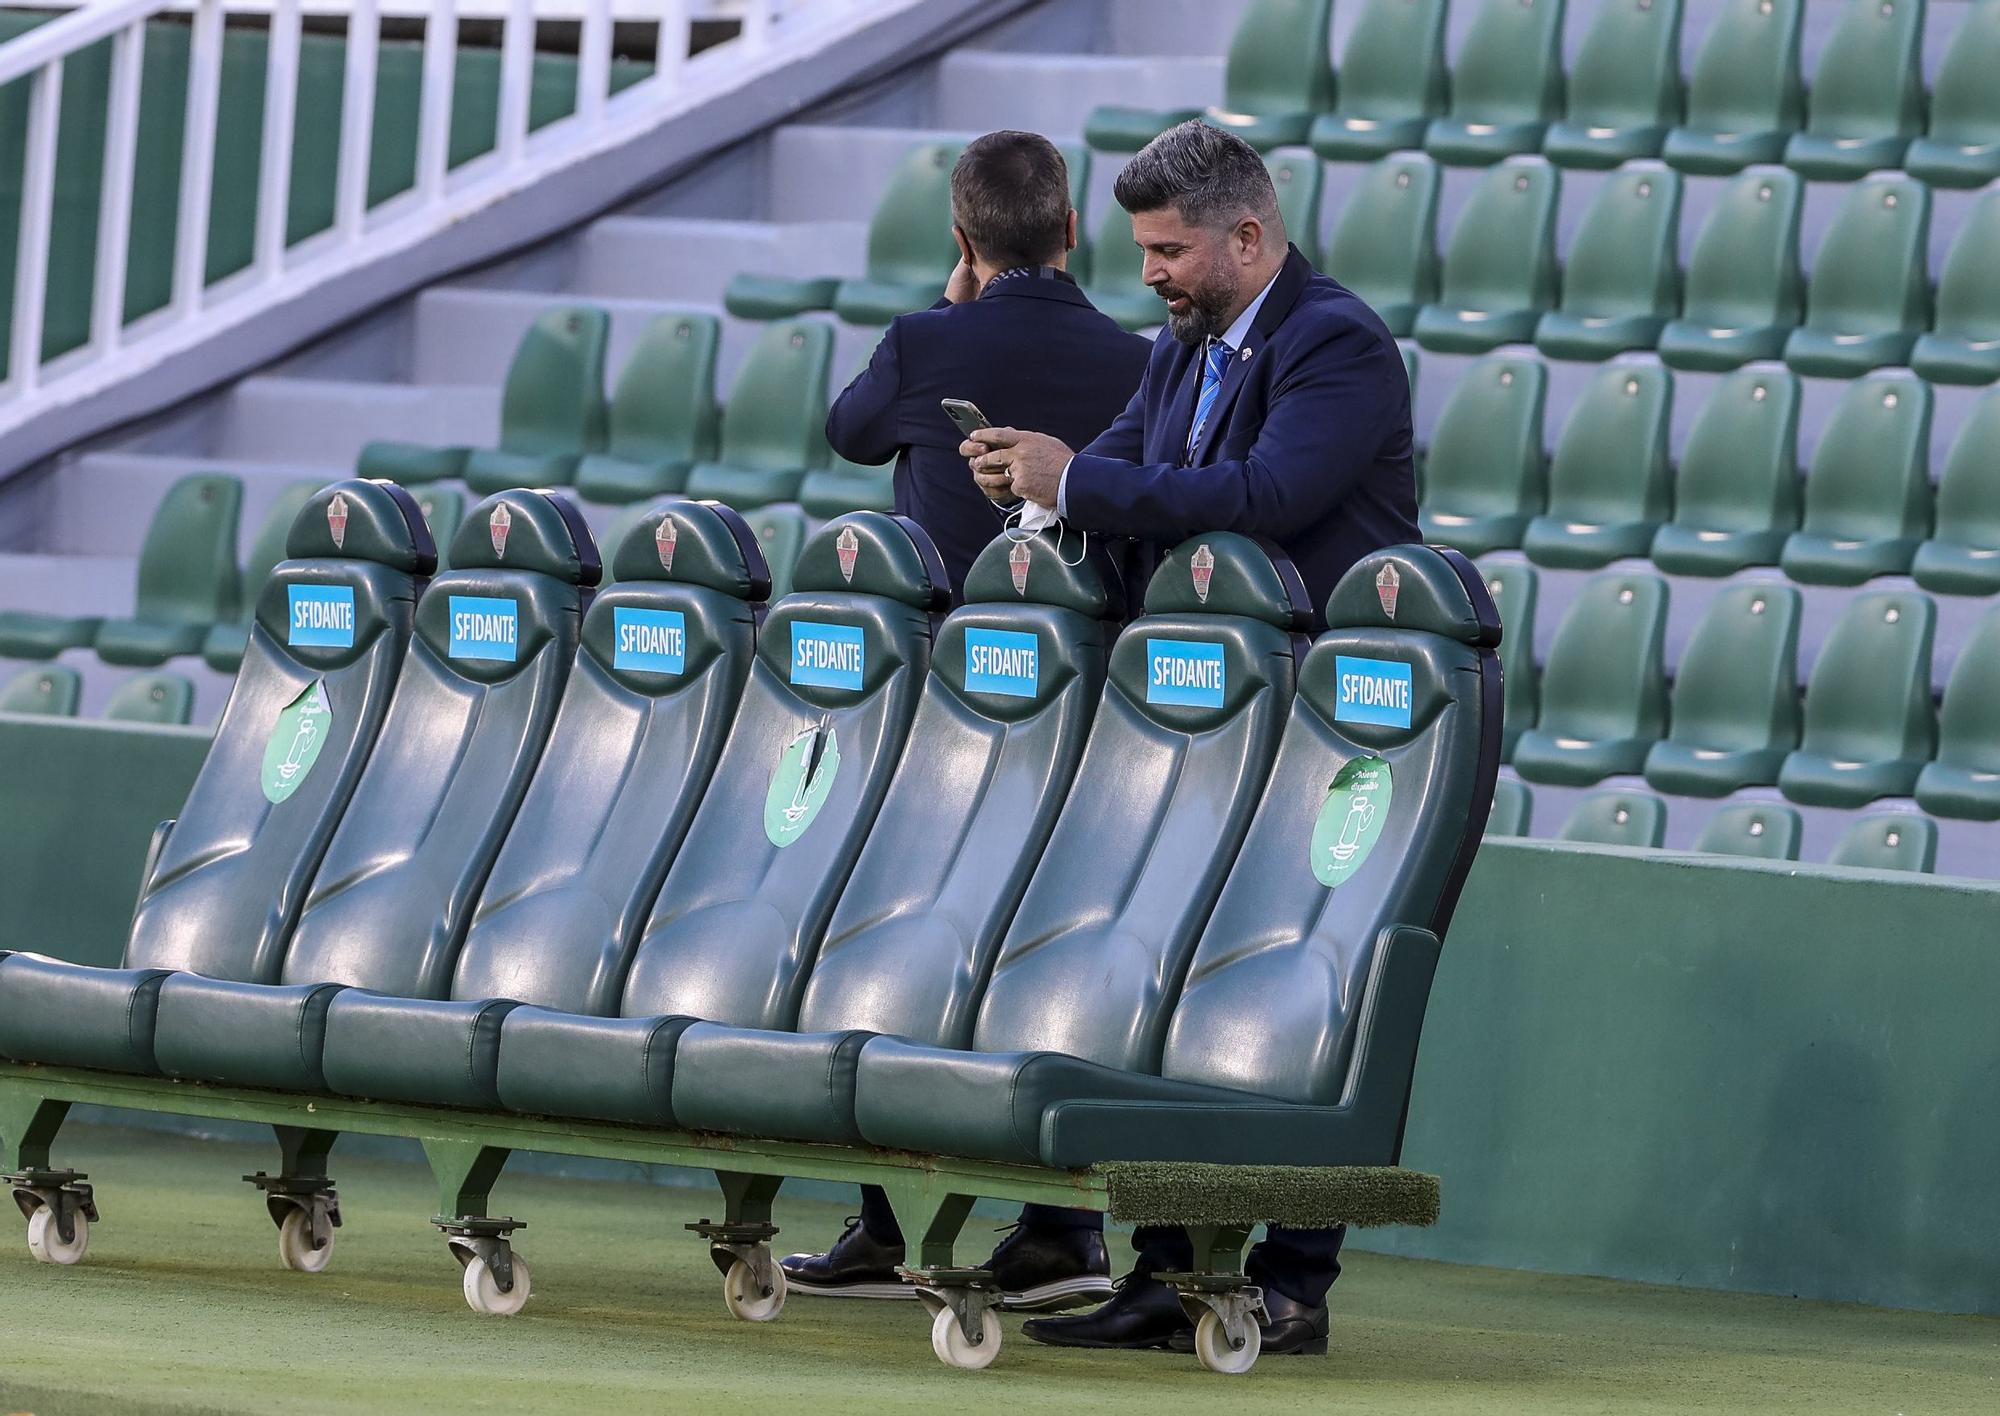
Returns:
point(152, 698)
point(553, 401)
point(1384, 248)
point(840, 664)
point(1610, 461)
point(1279, 60)
point(1297, 181)
point(1870, 80)
point(1871, 471)
point(1968, 297)
point(1746, 77)
point(781, 535)
point(1965, 102)
point(443, 509)
point(1604, 678)
point(1393, 63)
point(1510, 67)
point(909, 237)
point(1888, 840)
point(1870, 695)
point(495, 637)
point(1627, 72)
point(1513, 808)
point(1486, 455)
point(1614, 818)
point(1968, 492)
point(187, 566)
point(663, 409)
point(1761, 830)
point(1197, 695)
point(1744, 270)
point(664, 655)
point(1737, 688)
point(52, 690)
point(1870, 276)
point(327, 642)
point(267, 548)
point(1513, 589)
point(1969, 721)
point(776, 416)
point(1014, 682)
point(1626, 259)
point(1371, 818)
point(1502, 253)
point(1739, 470)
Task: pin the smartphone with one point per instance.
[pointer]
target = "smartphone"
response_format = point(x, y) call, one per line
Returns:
point(967, 415)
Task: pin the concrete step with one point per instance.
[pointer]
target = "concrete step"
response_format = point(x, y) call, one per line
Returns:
point(101, 503)
point(1199, 28)
point(980, 90)
point(323, 423)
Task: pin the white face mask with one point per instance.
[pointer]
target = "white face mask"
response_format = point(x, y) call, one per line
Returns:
point(1030, 519)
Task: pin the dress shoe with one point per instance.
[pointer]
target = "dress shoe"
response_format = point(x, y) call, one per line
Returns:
point(1141, 1313)
point(1294, 1328)
point(857, 1266)
point(1043, 1269)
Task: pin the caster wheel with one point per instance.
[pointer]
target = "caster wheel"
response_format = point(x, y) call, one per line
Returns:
point(1212, 1346)
point(949, 1342)
point(745, 1297)
point(45, 1241)
point(482, 1290)
point(295, 1245)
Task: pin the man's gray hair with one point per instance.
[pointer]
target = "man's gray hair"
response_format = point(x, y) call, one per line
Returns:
point(1212, 178)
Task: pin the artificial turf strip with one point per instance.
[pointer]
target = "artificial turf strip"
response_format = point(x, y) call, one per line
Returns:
point(181, 1307)
point(1187, 1192)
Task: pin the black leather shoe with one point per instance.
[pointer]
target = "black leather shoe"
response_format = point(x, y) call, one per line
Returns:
point(857, 1266)
point(1141, 1313)
point(1041, 1269)
point(1294, 1329)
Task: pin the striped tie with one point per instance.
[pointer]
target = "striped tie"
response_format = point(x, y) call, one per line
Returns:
point(1215, 363)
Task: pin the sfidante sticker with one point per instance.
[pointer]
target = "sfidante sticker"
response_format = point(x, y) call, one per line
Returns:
point(650, 641)
point(1185, 671)
point(1350, 819)
point(484, 627)
point(296, 738)
point(1371, 691)
point(827, 655)
point(1002, 661)
point(321, 616)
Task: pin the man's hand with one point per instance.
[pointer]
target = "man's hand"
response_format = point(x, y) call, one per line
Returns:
point(963, 285)
point(1009, 464)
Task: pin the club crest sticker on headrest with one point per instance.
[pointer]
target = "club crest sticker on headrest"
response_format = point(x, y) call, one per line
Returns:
point(1017, 566)
point(1388, 586)
point(848, 547)
point(497, 527)
point(664, 541)
point(336, 521)
point(1201, 566)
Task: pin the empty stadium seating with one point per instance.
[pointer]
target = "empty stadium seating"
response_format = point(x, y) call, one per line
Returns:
point(1499, 275)
point(1746, 94)
point(1964, 781)
point(1736, 696)
point(1868, 495)
point(1757, 829)
point(774, 425)
point(1736, 491)
point(1385, 243)
point(1869, 723)
point(663, 418)
point(222, 647)
point(1744, 292)
point(1624, 91)
point(1506, 86)
point(152, 698)
point(1622, 282)
point(1485, 471)
point(1604, 695)
point(1962, 145)
point(1392, 82)
point(1867, 94)
point(1888, 841)
point(1613, 818)
point(1610, 483)
point(49, 689)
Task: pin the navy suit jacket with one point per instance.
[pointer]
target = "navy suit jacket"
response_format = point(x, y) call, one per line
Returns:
point(1308, 443)
point(1032, 352)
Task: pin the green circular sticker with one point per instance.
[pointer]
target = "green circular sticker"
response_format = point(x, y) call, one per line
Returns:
point(1351, 820)
point(300, 732)
point(801, 783)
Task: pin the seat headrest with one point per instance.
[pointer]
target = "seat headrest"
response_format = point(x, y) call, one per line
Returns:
point(363, 520)
point(1223, 573)
point(871, 553)
point(1428, 589)
point(528, 530)
point(694, 543)
point(1033, 570)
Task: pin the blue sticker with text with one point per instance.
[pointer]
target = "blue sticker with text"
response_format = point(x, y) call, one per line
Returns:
point(827, 655)
point(322, 616)
point(1371, 691)
point(1002, 661)
point(651, 641)
point(483, 627)
point(1184, 671)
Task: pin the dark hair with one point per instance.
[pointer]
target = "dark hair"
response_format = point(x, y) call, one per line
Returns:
point(1010, 196)
point(1210, 177)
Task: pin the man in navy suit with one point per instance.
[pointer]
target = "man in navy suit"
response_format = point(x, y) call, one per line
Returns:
point(1013, 335)
point(1275, 404)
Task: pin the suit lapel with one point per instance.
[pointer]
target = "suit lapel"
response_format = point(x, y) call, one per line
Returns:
point(1180, 407)
point(1285, 290)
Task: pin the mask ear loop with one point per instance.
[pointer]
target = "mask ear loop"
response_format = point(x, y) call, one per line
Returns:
point(1082, 549)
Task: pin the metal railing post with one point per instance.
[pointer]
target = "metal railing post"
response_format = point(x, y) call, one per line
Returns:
point(434, 110)
point(274, 174)
point(197, 158)
point(114, 201)
point(38, 195)
point(357, 119)
point(517, 79)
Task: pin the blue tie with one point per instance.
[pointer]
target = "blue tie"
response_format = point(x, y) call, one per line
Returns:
point(1215, 363)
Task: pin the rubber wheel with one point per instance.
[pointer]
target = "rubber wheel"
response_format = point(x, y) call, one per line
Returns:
point(295, 1245)
point(745, 1297)
point(482, 1290)
point(45, 1241)
point(1211, 1345)
point(949, 1342)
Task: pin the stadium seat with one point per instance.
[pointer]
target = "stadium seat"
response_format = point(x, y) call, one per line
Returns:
point(1746, 94)
point(1500, 266)
point(1278, 76)
point(1610, 482)
point(152, 698)
point(664, 654)
point(663, 417)
point(1624, 89)
point(1745, 291)
point(1736, 696)
point(490, 652)
point(991, 753)
point(781, 534)
point(1963, 346)
point(1392, 82)
point(1869, 723)
point(1758, 829)
point(1736, 493)
point(1507, 86)
point(1964, 781)
point(1384, 247)
point(1867, 95)
point(1081, 1053)
point(1513, 809)
point(1623, 279)
point(222, 647)
point(816, 739)
point(1513, 588)
point(843, 486)
point(1116, 284)
point(1485, 473)
point(1888, 840)
point(1868, 495)
point(38, 634)
point(774, 426)
point(1604, 689)
point(1297, 181)
point(1963, 555)
point(188, 576)
point(1614, 818)
point(1962, 148)
point(443, 509)
point(51, 689)
point(225, 882)
point(1869, 296)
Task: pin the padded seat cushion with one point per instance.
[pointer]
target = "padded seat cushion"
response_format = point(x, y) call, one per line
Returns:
point(1576, 762)
point(1575, 545)
point(1453, 331)
point(147, 643)
point(1458, 143)
point(1947, 164)
point(1828, 354)
point(72, 1015)
point(1683, 770)
point(1563, 336)
point(1961, 792)
point(744, 487)
point(876, 302)
point(608, 1069)
point(1953, 359)
point(1829, 159)
point(494, 469)
point(1687, 550)
point(1686, 344)
point(414, 1049)
point(1945, 568)
point(777, 297)
point(25, 634)
point(1813, 780)
point(1829, 560)
point(600, 477)
point(793, 1086)
point(243, 1034)
point(1112, 128)
point(1710, 153)
point(1589, 146)
point(411, 463)
point(1346, 137)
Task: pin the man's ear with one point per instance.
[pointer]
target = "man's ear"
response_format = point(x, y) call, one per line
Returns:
point(1249, 239)
point(964, 246)
point(1069, 232)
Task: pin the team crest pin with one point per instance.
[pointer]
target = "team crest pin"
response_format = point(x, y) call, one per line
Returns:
point(1017, 566)
point(336, 521)
point(848, 547)
point(1388, 585)
point(664, 541)
point(1202, 567)
point(497, 526)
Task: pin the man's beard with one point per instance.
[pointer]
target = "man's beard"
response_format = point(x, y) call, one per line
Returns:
point(1207, 313)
